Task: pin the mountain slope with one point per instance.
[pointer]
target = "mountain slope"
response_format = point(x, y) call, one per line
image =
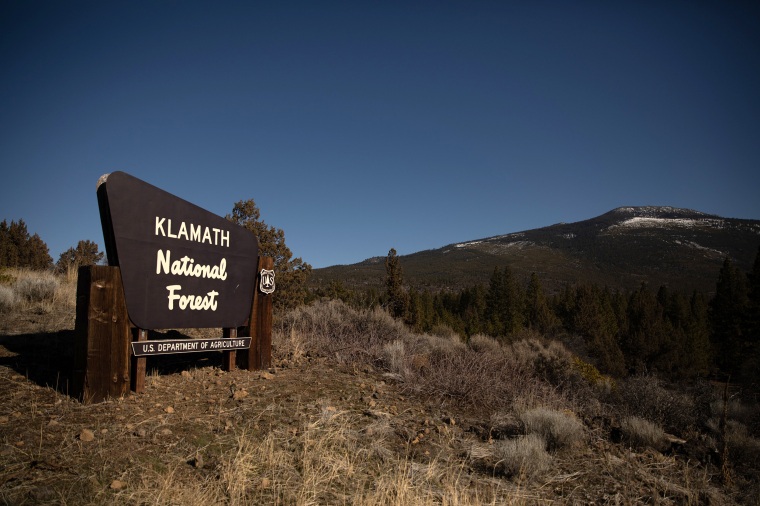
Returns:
point(681, 248)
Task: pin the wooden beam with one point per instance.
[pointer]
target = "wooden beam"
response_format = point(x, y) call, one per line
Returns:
point(139, 364)
point(101, 362)
point(228, 362)
point(259, 325)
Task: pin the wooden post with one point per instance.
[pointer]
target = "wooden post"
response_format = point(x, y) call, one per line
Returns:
point(228, 362)
point(139, 364)
point(259, 326)
point(101, 355)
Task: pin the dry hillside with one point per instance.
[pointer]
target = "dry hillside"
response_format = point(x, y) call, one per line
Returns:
point(357, 410)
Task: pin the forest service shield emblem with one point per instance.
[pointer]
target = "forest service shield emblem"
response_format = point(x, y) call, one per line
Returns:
point(266, 285)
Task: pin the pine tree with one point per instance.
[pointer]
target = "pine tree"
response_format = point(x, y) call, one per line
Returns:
point(751, 365)
point(473, 309)
point(19, 249)
point(291, 273)
point(594, 318)
point(504, 304)
point(697, 350)
point(538, 314)
point(727, 317)
point(85, 253)
point(647, 334)
point(38, 256)
point(398, 299)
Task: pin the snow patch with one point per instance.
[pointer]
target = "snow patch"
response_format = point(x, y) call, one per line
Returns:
point(466, 244)
point(647, 222)
point(692, 244)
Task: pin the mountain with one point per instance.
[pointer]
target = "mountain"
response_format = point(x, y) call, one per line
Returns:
point(681, 248)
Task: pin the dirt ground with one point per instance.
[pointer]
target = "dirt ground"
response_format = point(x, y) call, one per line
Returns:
point(188, 430)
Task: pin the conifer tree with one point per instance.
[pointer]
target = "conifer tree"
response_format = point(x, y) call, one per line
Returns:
point(398, 299)
point(751, 365)
point(646, 333)
point(85, 253)
point(594, 319)
point(291, 273)
point(473, 309)
point(697, 350)
point(538, 314)
point(19, 249)
point(504, 304)
point(727, 317)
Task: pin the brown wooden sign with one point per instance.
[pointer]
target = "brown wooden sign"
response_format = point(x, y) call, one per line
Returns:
point(181, 266)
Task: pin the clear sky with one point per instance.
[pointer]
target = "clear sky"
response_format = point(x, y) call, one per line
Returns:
point(361, 126)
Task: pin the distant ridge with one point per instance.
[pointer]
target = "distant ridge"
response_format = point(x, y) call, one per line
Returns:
point(659, 245)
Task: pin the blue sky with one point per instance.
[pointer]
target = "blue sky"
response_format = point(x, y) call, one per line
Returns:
point(361, 126)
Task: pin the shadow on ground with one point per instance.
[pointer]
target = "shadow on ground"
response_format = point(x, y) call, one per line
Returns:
point(47, 358)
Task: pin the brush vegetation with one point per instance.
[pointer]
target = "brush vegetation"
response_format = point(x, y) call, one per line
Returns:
point(361, 409)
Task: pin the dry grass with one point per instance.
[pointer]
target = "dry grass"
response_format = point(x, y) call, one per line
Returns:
point(559, 429)
point(525, 457)
point(7, 298)
point(359, 410)
point(641, 433)
point(26, 295)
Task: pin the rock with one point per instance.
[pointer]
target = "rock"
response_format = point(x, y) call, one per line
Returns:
point(87, 435)
point(117, 485)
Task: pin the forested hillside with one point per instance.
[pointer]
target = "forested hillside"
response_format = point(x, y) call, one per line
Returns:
point(678, 248)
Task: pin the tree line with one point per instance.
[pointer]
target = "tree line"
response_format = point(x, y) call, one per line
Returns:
point(625, 332)
point(675, 334)
point(20, 249)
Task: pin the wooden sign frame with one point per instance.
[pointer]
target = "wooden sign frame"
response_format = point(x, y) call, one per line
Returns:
point(103, 364)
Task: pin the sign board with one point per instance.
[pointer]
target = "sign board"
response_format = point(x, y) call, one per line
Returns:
point(170, 346)
point(181, 266)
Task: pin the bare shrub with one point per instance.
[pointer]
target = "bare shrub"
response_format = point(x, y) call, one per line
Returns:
point(333, 329)
point(443, 368)
point(642, 433)
point(485, 344)
point(449, 343)
point(646, 397)
point(292, 345)
point(486, 381)
point(736, 409)
point(444, 331)
point(743, 449)
point(7, 298)
point(550, 359)
point(559, 429)
point(36, 286)
point(524, 456)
